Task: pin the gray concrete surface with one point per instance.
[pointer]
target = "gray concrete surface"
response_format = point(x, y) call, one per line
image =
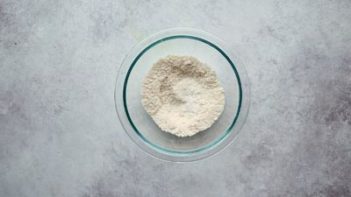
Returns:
point(60, 136)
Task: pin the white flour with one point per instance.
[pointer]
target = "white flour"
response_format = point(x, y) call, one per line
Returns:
point(182, 95)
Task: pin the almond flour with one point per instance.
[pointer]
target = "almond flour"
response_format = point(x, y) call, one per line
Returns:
point(182, 95)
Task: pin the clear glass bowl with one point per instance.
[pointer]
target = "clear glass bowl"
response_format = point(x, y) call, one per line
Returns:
point(140, 126)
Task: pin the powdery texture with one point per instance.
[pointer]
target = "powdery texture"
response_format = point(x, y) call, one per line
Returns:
point(182, 95)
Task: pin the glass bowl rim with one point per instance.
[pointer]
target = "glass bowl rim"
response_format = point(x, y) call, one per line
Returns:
point(127, 122)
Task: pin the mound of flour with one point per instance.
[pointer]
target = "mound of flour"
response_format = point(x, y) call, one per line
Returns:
point(182, 95)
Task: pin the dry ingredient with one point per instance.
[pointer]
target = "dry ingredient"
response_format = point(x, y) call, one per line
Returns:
point(182, 95)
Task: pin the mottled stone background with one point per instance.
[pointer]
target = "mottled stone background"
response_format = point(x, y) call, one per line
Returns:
point(60, 135)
